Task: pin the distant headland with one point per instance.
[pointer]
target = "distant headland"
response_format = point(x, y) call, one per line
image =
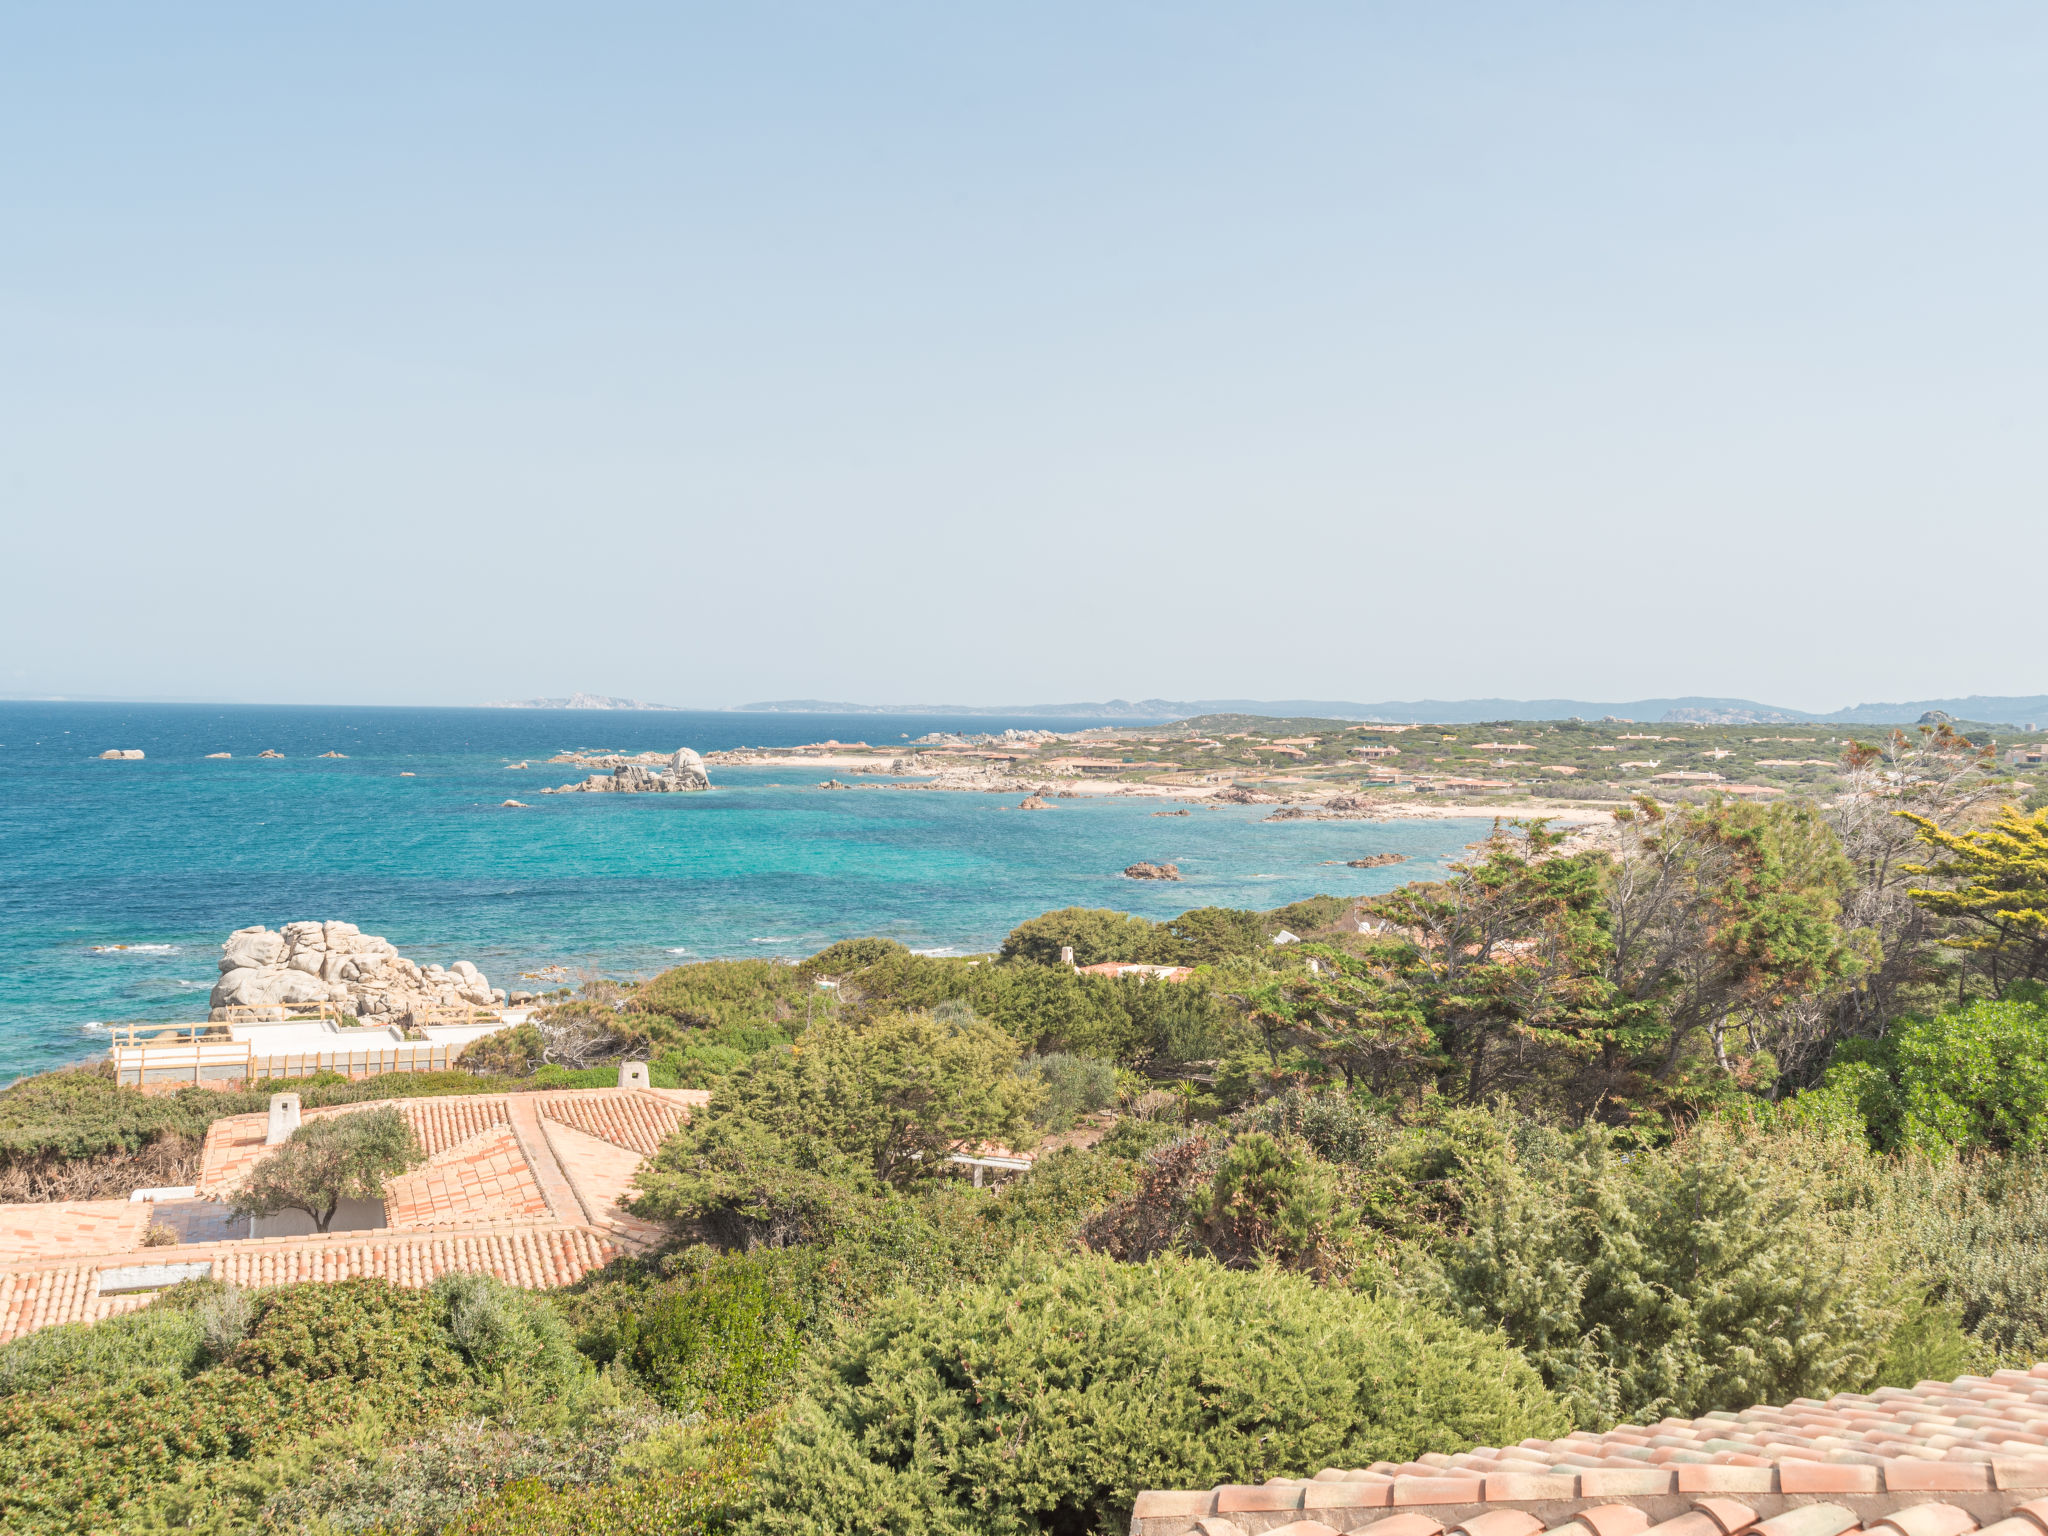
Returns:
point(2011, 710)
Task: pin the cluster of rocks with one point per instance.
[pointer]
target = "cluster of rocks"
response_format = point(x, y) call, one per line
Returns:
point(1006, 738)
point(684, 774)
point(338, 963)
point(1143, 871)
point(122, 754)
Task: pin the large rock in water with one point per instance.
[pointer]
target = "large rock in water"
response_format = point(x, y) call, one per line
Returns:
point(338, 963)
point(683, 775)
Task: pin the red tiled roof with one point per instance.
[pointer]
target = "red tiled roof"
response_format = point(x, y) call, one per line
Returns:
point(522, 1186)
point(1939, 1460)
point(71, 1227)
point(533, 1257)
point(484, 1179)
point(639, 1122)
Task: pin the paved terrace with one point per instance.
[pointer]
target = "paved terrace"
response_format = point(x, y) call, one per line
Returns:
point(522, 1186)
point(1943, 1459)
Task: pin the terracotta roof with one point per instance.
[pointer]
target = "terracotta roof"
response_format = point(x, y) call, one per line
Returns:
point(71, 1227)
point(534, 1257)
point(523, 1186)
point(639, 1121)
point(1939, 1460)
point(637, 1118)
point(234, 1145)
point(486, 1178)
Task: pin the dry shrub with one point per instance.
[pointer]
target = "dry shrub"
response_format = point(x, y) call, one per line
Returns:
point(169, 1160)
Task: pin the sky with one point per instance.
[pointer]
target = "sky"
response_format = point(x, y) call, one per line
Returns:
point(435, 354)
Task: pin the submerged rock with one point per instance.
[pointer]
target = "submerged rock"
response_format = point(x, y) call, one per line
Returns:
point(1143, 871)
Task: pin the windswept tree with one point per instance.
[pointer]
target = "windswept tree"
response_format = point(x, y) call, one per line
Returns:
point(1724, 925)
point(325, 1161)
point(1938, 776)
point(1504, 960)
point(1994, 890)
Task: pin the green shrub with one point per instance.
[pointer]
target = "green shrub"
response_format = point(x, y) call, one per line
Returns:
point(1062, 1188)
point(95, 1452)
point(1706, 1276)
point(1243, 1201)
point(1964, 1078)
point(1074, 1086)
point(1305, 917)
point(1095, 934)
point(725, 1343)
point(505, 1331)
point(418, 1488)
point(793, 1135)
point(1047, 1397)
point(1976, 1227)
point(156, 1344)
point(847, 956)
point(714, 994)
point(1209, 934)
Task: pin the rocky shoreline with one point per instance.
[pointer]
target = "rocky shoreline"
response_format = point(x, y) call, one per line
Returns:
point(339, 965)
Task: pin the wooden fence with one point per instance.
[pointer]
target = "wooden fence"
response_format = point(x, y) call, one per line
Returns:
point(174, 1063)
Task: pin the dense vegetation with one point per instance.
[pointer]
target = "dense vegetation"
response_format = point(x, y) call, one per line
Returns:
point(1734, 1102)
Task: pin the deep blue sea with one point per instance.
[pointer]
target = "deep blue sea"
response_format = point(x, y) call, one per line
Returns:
point(171, 854)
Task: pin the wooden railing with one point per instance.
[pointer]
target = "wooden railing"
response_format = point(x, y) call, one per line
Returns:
point(167, 1063)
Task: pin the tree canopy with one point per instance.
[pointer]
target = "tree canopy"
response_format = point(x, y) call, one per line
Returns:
point(325, 1161)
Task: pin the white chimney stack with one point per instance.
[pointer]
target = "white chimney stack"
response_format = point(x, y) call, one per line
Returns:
point(633, 1074)
point(284, 1118)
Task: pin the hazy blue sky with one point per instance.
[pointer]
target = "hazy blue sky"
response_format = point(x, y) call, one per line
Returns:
point(428, 353)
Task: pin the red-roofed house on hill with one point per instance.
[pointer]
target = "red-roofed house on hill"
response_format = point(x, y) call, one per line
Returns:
point(1122, 969)
point(524, 1186)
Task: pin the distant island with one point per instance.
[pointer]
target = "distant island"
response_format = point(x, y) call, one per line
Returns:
point(577, 701)
point(2021, 710)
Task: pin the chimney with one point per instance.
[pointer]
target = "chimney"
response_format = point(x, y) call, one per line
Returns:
point(633, 1074)
point(1066, 954)
point(284, 1118)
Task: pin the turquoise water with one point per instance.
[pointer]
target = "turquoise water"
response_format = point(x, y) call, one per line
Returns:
point(172, 853)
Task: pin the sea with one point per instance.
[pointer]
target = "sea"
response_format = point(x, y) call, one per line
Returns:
point(119, 880)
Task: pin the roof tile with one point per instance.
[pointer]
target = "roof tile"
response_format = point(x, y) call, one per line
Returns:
point(1927, 1520)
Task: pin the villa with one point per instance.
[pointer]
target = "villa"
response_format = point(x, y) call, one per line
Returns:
point(524, 1186)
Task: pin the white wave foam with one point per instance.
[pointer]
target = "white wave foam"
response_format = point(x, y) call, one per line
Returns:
point(135, 949)
point(784, 940)
point(944, 951)
point(680, 950)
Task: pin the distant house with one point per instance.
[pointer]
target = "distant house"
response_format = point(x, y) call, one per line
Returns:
point(1120, 970)
point(1375, 750)
point(1685, 776)
point(2027, 757)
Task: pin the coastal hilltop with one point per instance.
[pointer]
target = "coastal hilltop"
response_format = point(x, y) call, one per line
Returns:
point(1328, 770)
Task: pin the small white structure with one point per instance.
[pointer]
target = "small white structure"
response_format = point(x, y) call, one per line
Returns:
point(1284, 937)
point(284, 1118)
point(633, 1074)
